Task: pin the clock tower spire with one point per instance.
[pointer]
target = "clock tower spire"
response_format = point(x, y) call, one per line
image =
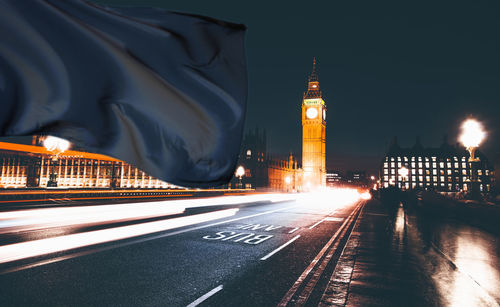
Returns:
point(313, 133)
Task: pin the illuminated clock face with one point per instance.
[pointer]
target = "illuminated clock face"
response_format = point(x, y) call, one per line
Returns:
point(311, 113)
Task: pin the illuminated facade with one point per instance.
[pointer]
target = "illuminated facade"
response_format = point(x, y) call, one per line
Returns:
point(445, 168)
point(30, 166)
point(313, 134)
point(265, 171)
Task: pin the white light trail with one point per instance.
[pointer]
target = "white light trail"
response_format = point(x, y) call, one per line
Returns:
point(30, 219)
point(18, 251)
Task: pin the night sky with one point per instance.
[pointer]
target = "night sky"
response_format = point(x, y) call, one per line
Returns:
point(386, 68)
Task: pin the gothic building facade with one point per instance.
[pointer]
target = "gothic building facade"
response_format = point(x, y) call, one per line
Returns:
point(445, 168)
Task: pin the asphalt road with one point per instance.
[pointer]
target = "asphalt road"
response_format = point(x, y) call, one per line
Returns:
point(247, 254)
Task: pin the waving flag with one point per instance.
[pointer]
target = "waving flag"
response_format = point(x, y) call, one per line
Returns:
point(165, 92)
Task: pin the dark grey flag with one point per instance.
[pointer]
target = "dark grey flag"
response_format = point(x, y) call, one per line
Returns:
point(163, 91)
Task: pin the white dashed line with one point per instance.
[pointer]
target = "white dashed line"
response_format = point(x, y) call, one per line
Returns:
point(279, 248)
point(316, 224)
point(293, 230)
point(205, 296)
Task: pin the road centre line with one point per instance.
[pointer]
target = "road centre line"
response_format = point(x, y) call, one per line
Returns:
point(280, 248)
point(293, 230)
point(205, 296)
point(316, 224)
point(134, 241)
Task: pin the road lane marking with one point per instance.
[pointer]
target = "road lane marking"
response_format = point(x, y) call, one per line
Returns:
point(316, 224)
point(293, 230)
point(134, 241)
point(257, 239)
point(288, 296)
point(333, 219)
point(280, 248)
point(205, 296)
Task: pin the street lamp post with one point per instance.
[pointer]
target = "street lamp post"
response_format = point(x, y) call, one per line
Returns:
point(472, 135)
point(56, 146)
point(240, 171)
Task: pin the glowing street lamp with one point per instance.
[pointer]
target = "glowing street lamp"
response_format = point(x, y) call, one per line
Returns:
point(57, 146)
point(240, 171)
point(472, 135)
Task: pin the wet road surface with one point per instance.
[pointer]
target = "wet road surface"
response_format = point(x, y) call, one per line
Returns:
point(249, 253)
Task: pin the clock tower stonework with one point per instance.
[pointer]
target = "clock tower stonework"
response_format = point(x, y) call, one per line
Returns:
point(313, 134)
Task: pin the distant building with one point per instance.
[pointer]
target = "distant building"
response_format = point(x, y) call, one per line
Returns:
point(33, 166)
point(333, 178)
point(263, 170)
point(445, 168)
point(357, 178)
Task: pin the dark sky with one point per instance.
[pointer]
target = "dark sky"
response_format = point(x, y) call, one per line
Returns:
point(386, 68)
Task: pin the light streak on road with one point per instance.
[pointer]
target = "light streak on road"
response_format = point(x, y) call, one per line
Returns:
point(329, 198)
point(58, 217)
point(18, 251)
point(30, 219)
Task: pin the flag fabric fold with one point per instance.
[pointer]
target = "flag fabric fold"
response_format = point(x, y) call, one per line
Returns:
point(163, 91)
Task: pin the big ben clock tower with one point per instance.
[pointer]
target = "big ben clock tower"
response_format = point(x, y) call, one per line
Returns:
point(313, 134)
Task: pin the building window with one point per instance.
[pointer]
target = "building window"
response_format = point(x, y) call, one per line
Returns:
point(392, 164)
point(413, 171)
point(433, 158)
point(434, 164)
point(386, 165)
point(393, 171)
point(448, 165)
point(456, 164)
point(427, 164)
point(386, 171)
point(419, 164)
point(441, 164)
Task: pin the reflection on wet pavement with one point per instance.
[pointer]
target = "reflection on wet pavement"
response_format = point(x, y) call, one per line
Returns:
point(463, 261)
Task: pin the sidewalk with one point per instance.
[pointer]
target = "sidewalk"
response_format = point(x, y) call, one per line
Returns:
point(378, 266)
